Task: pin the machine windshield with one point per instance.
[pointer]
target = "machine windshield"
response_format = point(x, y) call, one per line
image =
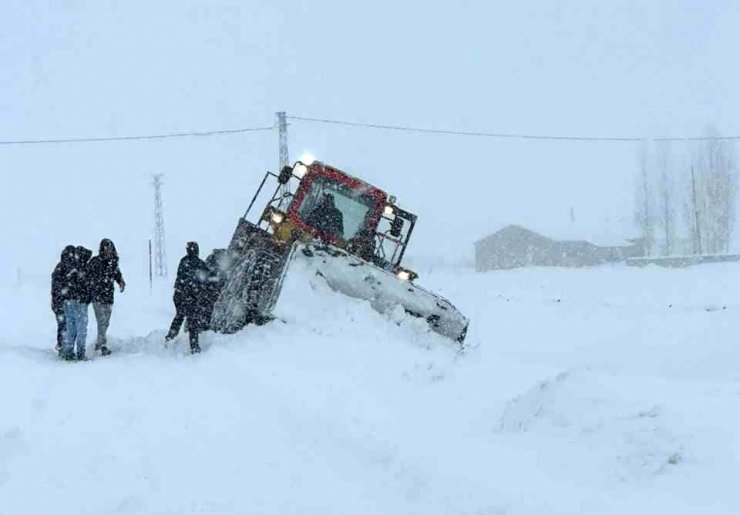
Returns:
point(336, 209)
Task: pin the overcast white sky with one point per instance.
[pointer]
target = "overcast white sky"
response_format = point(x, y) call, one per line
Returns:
point(97, 68)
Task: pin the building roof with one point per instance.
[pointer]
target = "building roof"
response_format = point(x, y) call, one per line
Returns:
point(606, 234)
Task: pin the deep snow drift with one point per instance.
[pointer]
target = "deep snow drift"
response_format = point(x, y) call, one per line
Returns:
point(608, 390)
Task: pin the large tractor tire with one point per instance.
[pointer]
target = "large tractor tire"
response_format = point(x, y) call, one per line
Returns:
point(249, 292)
point(239, 298)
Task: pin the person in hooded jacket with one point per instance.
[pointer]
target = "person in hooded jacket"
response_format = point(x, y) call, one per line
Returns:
point(75, 305)
point(326, 217)
point(103, 270)
point(60, 290)
point(191, 289)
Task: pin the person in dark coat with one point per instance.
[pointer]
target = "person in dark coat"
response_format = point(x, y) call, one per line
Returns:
point(103, 270)
point(60, 290)
point(75, 305)
point(326, 217)
point(190, 293)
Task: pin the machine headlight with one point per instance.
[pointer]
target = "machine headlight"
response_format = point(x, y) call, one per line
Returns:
point(389, 210)
point(300, 170)
point(406, 275)
point(277, 217)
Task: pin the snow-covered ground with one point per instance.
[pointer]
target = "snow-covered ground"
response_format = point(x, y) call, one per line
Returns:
point(608, 390)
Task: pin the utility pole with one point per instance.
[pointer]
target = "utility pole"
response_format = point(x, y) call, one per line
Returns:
point(160, 254)
point(283, 140)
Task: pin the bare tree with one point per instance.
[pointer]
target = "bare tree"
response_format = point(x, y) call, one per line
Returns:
point(714, 193)
point(666, 213)
point(694, 215)
point(643, 212)
point(708, 176)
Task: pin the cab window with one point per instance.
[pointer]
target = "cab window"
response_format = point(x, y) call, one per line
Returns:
point(335, 208)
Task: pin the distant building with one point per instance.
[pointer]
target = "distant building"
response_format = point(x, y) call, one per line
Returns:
point(514, 247)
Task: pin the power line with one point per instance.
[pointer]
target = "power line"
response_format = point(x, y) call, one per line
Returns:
point(503, 135)
point(348, 123)
point(139, 137)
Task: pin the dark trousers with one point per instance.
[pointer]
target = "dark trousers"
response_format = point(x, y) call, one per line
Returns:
point(61, 325)
point(193, 339)
point(192, 328)
point(177, 322)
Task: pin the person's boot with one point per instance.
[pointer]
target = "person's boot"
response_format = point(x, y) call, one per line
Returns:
point(170, 336)
point(104, 350)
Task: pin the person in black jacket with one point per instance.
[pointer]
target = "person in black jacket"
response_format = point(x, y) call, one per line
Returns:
point(327, 218)
point(103, 270)
point(60, 290)
point(75, 305)
point(190, 296)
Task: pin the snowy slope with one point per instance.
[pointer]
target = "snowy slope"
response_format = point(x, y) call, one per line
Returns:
point(609, 390)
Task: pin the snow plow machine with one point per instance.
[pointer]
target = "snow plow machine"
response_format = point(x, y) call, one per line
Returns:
point(351, 233)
